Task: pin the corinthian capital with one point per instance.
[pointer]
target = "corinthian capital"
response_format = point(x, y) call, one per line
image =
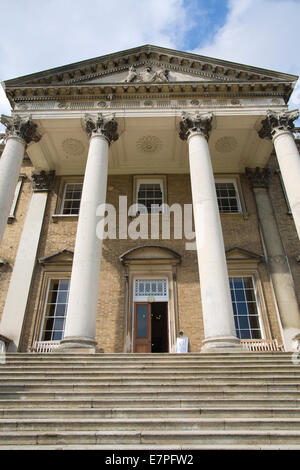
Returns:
point(101, 125)
point(258, 177)
point(42, 181)
point(277, 121)
point(24, 128)
point(196, 123)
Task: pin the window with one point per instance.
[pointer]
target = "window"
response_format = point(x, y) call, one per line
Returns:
point(55, 310)
point(228, 196)
point(244, 302)
point(151, 287)
point(149, 193)
point(72, 198)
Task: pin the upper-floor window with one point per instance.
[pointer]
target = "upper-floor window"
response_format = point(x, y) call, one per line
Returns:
point(71, 198)
point(228, 196)
point(149, 194)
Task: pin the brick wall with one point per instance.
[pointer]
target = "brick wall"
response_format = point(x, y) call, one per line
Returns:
point(238, 229)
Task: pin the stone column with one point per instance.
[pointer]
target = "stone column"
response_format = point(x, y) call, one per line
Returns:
point(219, 328)
point(19, 133)
point(277, 261)
point(278, 126)
point(83, 297)
point(21, 279)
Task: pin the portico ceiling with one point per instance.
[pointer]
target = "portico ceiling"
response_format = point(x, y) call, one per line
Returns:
point(151, 145)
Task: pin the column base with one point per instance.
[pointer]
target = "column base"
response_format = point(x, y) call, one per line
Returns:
point(76, 345)
point(222, 344)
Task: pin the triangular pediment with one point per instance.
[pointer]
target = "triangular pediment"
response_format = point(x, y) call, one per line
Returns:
point(180, 67)
point(240, 254)
point(61, 257)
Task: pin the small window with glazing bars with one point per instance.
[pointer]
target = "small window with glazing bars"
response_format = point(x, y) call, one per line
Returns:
point(72, 198)
point(228, 196)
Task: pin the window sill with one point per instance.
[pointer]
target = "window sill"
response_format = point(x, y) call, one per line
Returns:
point(244, 215)
point(57, 217)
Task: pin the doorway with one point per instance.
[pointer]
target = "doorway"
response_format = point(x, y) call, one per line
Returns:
point(151, 333)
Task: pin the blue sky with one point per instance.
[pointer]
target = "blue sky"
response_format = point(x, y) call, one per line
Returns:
point(40, 34)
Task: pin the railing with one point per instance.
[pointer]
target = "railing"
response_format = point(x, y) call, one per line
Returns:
point(44, 346)
point(261, 345)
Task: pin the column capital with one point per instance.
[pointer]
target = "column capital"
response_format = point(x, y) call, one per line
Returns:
point(195, 124)
point(258, 177)
point(276, 122)
point(42, 180)
point(101, 125)
point(22, 128)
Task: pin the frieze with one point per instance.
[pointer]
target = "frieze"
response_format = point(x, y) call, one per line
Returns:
point(143, 102)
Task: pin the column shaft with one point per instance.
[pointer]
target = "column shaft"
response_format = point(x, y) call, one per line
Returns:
point(289, 163)
point(217, 309)
point(10, 164)
point(82, 307)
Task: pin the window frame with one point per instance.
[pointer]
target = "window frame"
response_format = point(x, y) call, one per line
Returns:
point(64, 181)
point(237, 186)
point(260, 323)
point(42, 324)
point(151, 179)
point(17, 194)
point(57, 270)
point(64, 197)
point(248, 271)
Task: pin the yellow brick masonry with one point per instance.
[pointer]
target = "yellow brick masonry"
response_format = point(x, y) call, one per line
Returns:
point(238, 231)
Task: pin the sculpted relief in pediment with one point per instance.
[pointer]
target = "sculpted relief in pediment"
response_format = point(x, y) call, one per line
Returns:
point(147, 74)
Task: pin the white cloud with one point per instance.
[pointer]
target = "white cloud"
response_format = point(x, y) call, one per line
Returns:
point(262, 33)
point(37, 35)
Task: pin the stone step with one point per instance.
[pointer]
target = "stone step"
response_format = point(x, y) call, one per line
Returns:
point(175, 412)
point(162, 368)
point(135, 390)
point(154, 438)
point(92, 384)
point(151, 424)
point(151, 375)
point(171, 363)
point(157, 401)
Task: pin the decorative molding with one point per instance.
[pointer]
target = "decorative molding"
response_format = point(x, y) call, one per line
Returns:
point(24, 128)
point(42, 181)
point(258, 177)
point(197, 123)
point(106, 126)
point(226, 144)
point(149, 144)
point(277, 121)
point(63, 257)
point(73, 147)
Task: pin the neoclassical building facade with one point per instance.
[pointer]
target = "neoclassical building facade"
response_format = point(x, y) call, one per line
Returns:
point(146, 195)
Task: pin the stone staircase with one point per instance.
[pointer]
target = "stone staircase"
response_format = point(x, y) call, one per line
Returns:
point(150, 401)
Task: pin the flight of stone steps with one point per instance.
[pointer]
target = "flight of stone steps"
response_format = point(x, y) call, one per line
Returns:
point(150, 401)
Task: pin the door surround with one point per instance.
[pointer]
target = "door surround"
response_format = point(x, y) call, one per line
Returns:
point(150, 262)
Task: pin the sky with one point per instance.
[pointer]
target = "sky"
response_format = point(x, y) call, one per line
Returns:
point(38, 35)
